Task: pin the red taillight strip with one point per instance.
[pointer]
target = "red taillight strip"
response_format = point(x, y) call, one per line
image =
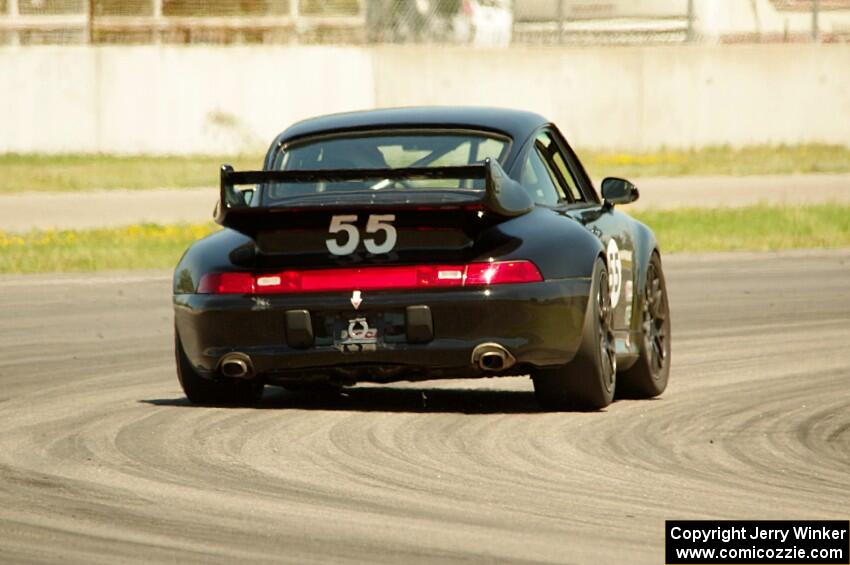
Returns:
point(226, 283)
point(371, 278)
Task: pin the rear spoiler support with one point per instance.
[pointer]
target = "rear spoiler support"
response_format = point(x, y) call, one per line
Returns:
point(501, 195)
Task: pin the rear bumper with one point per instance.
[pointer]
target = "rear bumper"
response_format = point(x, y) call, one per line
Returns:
point(539, 323)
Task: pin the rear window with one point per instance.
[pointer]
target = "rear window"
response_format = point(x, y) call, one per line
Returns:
point(387, 151)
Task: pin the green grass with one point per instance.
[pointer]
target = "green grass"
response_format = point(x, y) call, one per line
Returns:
point(756, 228)
point(754, 160)
point(88, 172)
point(20, 173)
point(147, 246)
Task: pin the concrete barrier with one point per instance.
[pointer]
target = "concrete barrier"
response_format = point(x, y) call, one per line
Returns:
point(166, 99)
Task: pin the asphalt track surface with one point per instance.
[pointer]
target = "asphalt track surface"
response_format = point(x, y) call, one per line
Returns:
point(82, 210)
point(103, 461)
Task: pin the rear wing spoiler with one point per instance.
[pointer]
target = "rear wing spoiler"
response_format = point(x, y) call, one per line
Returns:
point(501, 195)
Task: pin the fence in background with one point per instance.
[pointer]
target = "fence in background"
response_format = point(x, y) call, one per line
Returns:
point(480, 22)
point(33, 22)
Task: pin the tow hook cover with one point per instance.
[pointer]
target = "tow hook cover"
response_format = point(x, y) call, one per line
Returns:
point(299, 329)
point(420, 327)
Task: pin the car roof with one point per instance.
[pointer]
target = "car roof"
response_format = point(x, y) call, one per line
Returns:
point(516, 124)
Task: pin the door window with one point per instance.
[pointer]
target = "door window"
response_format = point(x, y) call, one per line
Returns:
point(565, 178)
point(538, 178)
point(569, 180)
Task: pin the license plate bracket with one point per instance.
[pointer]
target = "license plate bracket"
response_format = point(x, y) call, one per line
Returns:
point(356, 334)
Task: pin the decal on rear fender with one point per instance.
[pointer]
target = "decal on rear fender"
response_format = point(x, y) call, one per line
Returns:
point(615, 272)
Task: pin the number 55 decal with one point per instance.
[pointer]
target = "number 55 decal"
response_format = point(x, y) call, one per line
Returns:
point(377, 223)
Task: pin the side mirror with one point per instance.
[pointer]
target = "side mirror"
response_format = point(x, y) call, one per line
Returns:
point(618, 191)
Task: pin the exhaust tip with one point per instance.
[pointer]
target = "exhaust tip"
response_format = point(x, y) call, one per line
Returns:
point(492, 357)
point(492, 361)
point(236, 366)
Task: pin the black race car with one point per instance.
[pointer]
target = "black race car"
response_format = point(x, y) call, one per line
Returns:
point(422, 243)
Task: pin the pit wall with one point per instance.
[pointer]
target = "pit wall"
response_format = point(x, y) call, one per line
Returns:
point(183, 100)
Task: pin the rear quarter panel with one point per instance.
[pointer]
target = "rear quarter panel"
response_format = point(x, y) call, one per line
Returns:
point(216, 252)
point(560, 246)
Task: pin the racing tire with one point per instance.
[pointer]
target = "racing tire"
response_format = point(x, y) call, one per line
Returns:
point(209, 392)
point(588, 381)
point(649, 375)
